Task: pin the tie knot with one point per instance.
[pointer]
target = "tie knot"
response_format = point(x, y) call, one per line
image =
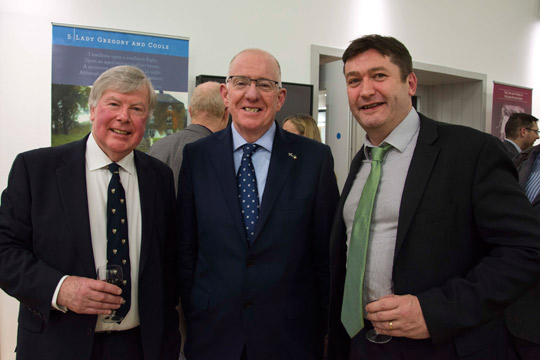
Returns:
point(377, 153)
point(113, 168)
point(249, 149)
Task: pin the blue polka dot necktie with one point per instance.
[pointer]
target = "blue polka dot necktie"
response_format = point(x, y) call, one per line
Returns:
point(117, 235)
point(247, 191)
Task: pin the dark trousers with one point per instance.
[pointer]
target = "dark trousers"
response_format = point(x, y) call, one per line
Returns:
point(408, 349)
point(118, 345)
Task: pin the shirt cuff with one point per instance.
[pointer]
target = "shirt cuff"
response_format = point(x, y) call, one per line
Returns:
point(54, 305)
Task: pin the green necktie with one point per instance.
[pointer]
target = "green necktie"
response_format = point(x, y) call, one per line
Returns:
point(352, 312)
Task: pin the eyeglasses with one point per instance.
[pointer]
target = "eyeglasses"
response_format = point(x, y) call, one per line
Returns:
point(243, 82)
point(535, 130)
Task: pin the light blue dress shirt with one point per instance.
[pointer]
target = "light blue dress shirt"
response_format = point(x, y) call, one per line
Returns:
point(260, 159)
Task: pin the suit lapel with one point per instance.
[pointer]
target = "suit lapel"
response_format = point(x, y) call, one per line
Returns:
point(422, 163)
point(222, 160)
point(147, 194)
point(279, 169)
point(71, 177)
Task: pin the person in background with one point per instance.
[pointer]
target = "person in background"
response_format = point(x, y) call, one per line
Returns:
point(302, 124)
point(71, 209)
point(524, 314)
point(255, 207)
point(434, 209)
point(208, 115)
point(521, 132)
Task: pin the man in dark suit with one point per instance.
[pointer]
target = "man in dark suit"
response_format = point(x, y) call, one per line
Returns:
point(55, 228)
point(450, 226)
point(255, 286)
point(521, 132)
point(524, 314)
point(208, 115)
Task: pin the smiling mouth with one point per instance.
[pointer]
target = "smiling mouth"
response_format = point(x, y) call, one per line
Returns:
point(120, 132)
point(253, 110)
point(371, 106)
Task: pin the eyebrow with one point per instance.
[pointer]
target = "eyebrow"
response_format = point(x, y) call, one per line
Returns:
point(370, 71)
point(112, 97)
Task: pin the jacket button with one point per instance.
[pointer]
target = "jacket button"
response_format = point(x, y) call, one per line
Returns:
point(249, 262)
point(89, 331)
point(247, 304)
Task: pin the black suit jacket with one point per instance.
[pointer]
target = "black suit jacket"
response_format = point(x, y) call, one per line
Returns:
point(510, 149)
point(467, 240)
point(45, 234)
point(271, 297)
point(523, 316)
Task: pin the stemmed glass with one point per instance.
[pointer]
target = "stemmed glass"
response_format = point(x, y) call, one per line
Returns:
point(113, 275)
point(378, 287)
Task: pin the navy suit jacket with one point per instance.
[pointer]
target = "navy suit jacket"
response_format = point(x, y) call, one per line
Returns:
point(45, 234)
point(467, 241)
point(523, 316)
point(272, 297)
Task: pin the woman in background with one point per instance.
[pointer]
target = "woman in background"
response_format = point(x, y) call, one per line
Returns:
point(302, 124)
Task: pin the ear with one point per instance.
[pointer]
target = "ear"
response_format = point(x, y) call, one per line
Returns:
point(189, 110)
point(281, 98)
point(92, 113)
point(412, 83)
point(224, 94)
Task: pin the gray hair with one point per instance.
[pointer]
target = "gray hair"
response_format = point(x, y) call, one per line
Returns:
point(207, 97)
point(123, 79)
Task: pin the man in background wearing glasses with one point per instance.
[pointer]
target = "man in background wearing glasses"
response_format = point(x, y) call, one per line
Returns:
point(521, 132)
point(253, 247)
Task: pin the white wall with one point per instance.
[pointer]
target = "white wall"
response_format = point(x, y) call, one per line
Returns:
point(497, 37)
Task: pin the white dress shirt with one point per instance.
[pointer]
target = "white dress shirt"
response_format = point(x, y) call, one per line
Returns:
point(97, 183)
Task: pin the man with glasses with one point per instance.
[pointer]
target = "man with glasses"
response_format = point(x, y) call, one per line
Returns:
point(523, 316)
point(255, 207)
point(521, 132)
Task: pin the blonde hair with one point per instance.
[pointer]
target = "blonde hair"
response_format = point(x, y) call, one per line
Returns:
point(123, 79)
point(306, 126)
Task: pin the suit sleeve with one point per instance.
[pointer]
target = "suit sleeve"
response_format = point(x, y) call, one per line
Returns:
point(171, 341)
point(508, 230)
point(23, 275)
point(323, 214)
point(186, 232)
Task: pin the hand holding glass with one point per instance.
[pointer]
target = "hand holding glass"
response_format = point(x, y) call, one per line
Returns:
point(113, 275)
point(380, 289)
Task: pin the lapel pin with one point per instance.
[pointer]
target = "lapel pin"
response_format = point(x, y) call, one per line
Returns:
point(292, 155)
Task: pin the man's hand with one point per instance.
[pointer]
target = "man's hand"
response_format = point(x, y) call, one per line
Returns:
point(89, 296)
point(397, 315)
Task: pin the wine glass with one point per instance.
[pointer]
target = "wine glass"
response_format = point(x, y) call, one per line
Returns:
point(376, 289)
point(113, 275)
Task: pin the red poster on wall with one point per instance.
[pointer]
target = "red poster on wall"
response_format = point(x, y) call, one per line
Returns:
point(508, 99)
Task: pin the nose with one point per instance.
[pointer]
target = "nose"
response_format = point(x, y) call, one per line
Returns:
point(252, 93)
point(366, 89)
point(123, 113)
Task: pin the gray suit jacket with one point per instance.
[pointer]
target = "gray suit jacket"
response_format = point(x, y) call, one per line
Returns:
point(170, 149)
point(523, 316)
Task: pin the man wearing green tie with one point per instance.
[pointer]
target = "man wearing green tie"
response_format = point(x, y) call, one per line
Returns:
point(432, 209)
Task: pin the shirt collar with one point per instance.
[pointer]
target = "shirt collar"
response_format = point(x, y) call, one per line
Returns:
point(97, 159)
point(513, 143)
point(266, 141)
point(402, 134)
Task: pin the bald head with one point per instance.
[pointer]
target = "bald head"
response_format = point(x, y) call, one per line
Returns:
point(257, 52)
point(207, 108)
